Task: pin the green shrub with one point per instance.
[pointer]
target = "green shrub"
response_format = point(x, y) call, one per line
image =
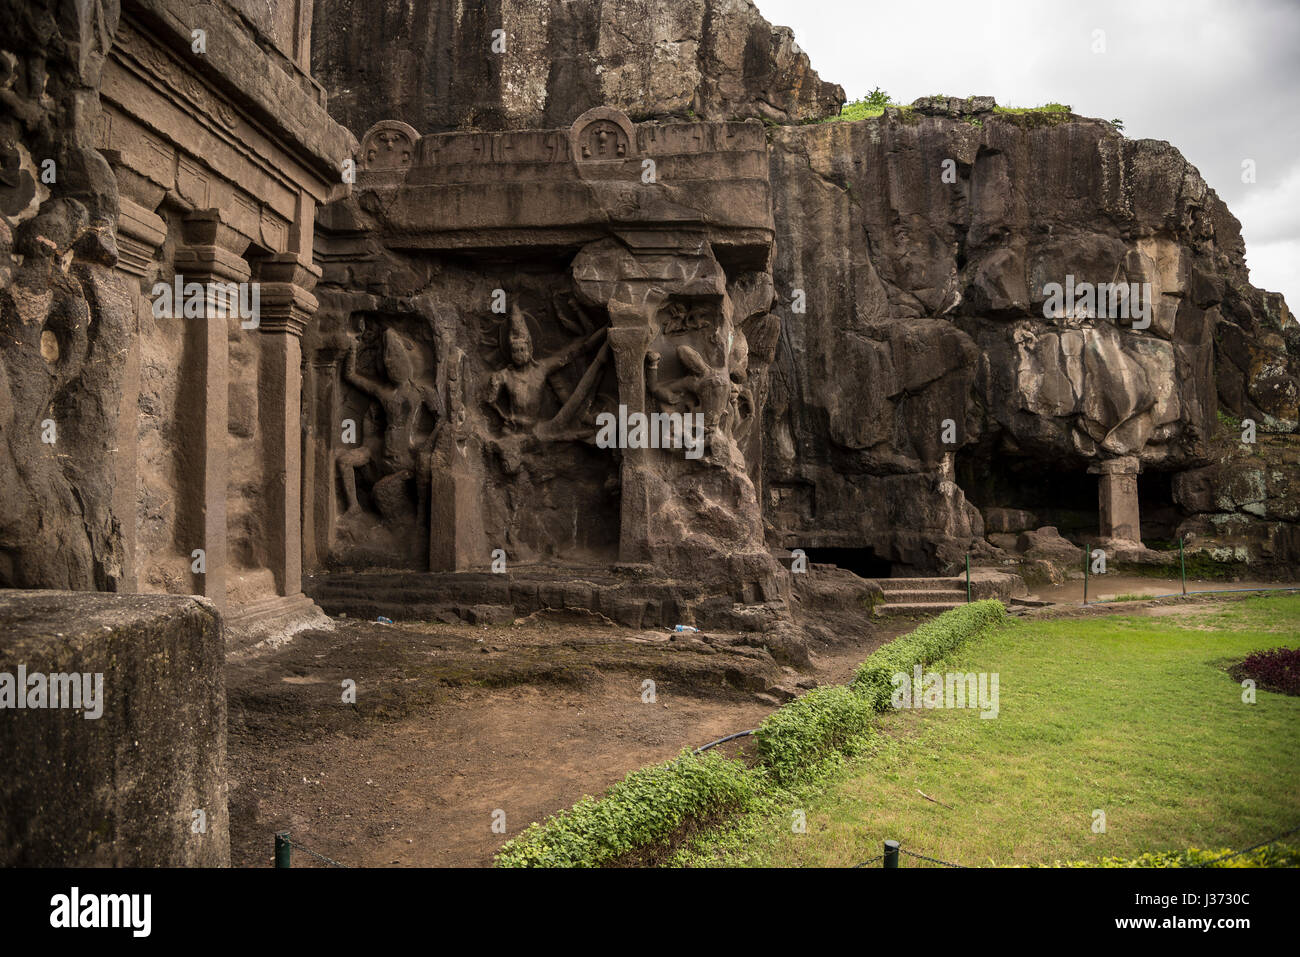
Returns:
point(800, 737)
point(871, 105)
point(645, 808)
point(878, 98)
point(1045, 108)
point(930, 642)
point(1273, 855)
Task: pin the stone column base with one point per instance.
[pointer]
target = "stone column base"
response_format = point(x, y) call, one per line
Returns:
point(261, 625)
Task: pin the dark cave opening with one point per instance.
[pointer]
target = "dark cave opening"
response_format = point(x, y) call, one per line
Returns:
point(1159, 515)
point(1064, 498)
point(863, 562)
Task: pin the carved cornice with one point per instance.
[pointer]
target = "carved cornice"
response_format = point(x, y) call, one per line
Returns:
point(174, 76)
point(140, 234)
point(288, 104)
point(287, 268)
point(285, 308)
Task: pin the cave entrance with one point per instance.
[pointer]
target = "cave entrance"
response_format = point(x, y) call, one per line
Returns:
point(1160, 517)
point(863, 562)
point(1050, 495)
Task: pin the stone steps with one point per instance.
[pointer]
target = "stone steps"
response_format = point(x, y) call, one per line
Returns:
point(926, 596)
point(920, 596)
point(901, 609)
point(922, 584)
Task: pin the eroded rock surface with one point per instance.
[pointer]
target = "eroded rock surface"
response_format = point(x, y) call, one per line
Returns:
point(924, 308)
point(440, 65)
point(65, 315)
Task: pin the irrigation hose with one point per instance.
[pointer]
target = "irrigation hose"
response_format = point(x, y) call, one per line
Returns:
point(730, 737)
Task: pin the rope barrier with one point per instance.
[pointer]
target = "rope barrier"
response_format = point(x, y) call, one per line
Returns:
point(1227, 857)
point(282, 844)
point(932, 860)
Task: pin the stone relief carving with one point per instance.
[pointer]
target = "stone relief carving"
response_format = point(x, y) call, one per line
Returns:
point(400, 402)
point(602, 140)
point(689, 329)
point(516, 392)
point(389, 144)
point(602, 134)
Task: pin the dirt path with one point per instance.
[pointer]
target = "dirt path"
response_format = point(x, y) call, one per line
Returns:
point(1109, 586)
point(522, 720)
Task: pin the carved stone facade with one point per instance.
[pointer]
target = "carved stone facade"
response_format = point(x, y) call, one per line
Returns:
point(202, 163)
point(485, 308)
point(223, 199)
point(445, 320)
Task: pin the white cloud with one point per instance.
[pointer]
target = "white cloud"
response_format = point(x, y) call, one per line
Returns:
point(1216, 78)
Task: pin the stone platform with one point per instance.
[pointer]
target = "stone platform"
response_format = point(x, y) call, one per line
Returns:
point(631, 596)
point(120, 789)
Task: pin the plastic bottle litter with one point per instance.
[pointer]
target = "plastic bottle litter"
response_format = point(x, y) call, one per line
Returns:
point(681, 628)
point(384, 621)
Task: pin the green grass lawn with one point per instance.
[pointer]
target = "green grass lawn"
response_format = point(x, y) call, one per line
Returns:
point(1132, 715)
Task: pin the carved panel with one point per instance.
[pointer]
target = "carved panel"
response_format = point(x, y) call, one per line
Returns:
point(602, 135)
point(389, 144)
point(192, 182)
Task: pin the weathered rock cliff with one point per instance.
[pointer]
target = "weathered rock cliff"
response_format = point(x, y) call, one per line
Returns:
point(925, 302)
point(439, 65)
point(922, 380)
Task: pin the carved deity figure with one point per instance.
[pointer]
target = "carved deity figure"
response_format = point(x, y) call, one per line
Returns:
point(401, 399)
point(710, 386)
point(389, 148)
point(603, 140)
point(517, 391)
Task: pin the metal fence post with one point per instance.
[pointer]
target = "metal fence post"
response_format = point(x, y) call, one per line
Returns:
point(1182, 565)
point(968, 578)
point(283, 849)
point(1085, 573)
point(891, 854)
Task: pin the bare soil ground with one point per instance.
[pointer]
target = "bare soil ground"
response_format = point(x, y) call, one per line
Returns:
point(453, 723)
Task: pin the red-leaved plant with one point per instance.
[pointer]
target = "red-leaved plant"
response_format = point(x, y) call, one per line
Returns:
point(1277, 669)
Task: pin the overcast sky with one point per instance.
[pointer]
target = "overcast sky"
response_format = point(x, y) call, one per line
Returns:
point(1219, 79)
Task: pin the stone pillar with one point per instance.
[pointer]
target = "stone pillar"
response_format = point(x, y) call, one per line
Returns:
point(1118, 498)
point(629, 337)
point(457, 541)
point(211, 256)
point(287, 305)
point(140, 234)
point(319, 476)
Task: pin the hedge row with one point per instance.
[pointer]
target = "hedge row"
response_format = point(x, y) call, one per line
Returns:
point(933, 640)
point(798, 738)
point(794, 742)
point(645, 807)
point(1273, 855)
